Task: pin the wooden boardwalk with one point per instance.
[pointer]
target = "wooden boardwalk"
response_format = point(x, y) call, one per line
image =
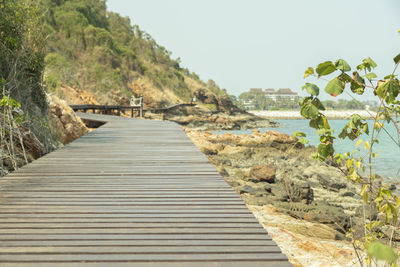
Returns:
point(131, 193)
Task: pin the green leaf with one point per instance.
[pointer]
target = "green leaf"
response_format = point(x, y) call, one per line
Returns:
point(349, 163)
point(308, 72)
point(314, 124)
point(306, 100)
point(317, 103)
point(325, 150)
point(361, 67)
point(356, 88)
point(323, 122)
point(325, 68)
point(380, 251)
point(357, 84)
point(344, 78)
point(371, 76)
point(393, 211)
point(365, 197)
point(324, 132)
point(391, 76)
point(309, 111)
point(335, 87)
point(355, 120)
point(342, 65)
point(389, 89)
point(299, 134)
point(396, 59)
point(302, 141)
point(311, 89)
point(369, 63)
point(353, 129)
point(365, 187)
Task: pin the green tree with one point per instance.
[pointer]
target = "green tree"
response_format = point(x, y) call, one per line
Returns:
point(23, 98)
point(380, 205)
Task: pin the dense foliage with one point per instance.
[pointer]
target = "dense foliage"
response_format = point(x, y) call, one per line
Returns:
point(101, 51)
point(381, 206)
point(22, 63)
point(22, 54)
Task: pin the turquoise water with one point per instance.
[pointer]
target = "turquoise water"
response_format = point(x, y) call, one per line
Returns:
point(387, 163)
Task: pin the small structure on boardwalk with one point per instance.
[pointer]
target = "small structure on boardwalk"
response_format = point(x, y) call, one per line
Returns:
point(136, 104)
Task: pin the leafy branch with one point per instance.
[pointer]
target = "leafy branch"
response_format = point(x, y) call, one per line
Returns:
point(383, 205)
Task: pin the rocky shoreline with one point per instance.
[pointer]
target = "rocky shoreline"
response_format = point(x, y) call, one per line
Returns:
point(196, 118)
point(277, 179)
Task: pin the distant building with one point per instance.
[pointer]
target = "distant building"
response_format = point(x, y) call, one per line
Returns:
point(270, 94)
point(249, 104)
point(256, 90)
point(283, 96)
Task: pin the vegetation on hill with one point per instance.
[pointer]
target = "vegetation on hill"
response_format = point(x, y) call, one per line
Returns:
point(100, 51)
point(22, 52)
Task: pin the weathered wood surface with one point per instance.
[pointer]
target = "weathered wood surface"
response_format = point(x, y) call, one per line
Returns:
point(130, 193)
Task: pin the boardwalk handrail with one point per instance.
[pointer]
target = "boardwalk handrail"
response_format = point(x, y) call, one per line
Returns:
point(107, 109)
point(158, 110)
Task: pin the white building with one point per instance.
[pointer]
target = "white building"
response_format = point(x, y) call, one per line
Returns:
point(283, 94)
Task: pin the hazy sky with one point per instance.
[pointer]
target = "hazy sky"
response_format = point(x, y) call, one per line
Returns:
point(268, 43)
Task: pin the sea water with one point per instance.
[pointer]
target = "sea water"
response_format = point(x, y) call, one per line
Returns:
point(387, 162)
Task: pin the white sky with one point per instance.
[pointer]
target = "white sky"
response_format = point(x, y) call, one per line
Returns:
point(242, 44)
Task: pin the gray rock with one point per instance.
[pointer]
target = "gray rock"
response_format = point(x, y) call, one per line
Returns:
point(263, 173)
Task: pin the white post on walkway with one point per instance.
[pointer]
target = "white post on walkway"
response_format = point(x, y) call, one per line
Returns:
point(141, 106)
point(137, 102)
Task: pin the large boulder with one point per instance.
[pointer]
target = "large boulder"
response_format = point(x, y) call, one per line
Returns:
point(205, 97)
point(300, 192)
point(64, 124)
point(263, 173)
point(225, 105)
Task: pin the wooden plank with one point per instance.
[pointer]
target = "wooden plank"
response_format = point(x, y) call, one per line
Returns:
point(137, 250)
point(36, 214)
point(138, 243)
point(226, 263)
point(133, 257)
point(46, 202)
point(126, 225)
point(133, 230)
point(124, 236)
point(147, 220)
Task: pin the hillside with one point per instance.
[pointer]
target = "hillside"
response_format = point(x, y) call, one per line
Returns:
point(105, 55)
point(32, 123)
